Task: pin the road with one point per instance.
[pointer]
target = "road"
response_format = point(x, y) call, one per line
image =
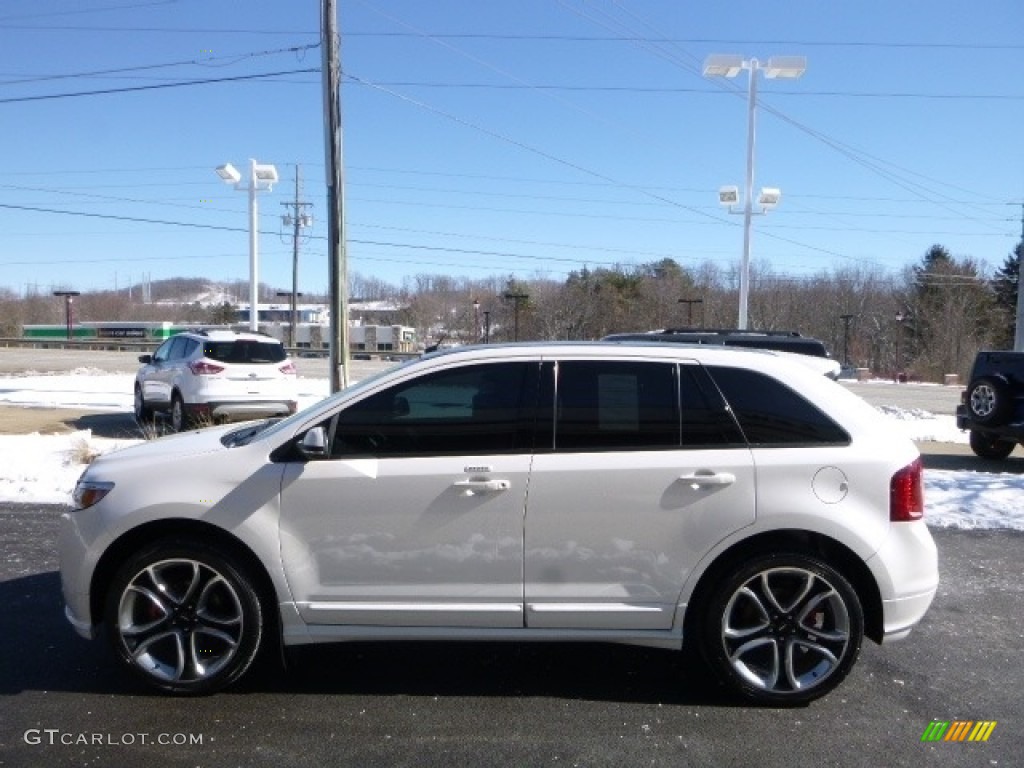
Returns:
point(479, 704)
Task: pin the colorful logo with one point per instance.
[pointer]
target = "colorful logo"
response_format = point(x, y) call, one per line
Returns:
point(958, 730)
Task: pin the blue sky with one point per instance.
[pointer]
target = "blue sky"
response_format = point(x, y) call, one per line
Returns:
point(494, 138)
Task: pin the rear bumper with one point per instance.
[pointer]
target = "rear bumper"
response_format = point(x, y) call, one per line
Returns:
point(235, 410)
point(907, 572)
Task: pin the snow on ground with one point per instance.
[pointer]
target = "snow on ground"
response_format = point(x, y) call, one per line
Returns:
point(42, 469)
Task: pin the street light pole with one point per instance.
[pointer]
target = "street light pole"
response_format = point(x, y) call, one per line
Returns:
point(69, 313)
point(261, 177)
point(846, 337)
point(516, 298)
point(689, 310)
point(718, 65)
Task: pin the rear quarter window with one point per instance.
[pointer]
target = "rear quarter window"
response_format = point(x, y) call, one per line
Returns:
point(772, 414)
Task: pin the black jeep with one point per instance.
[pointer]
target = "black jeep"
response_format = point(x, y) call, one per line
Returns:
point(992, 406)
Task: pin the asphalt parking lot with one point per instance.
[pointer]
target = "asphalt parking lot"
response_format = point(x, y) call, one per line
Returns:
point(65, 702)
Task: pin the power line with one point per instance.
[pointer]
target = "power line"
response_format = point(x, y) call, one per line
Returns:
point(210, 61)
point(180, 84)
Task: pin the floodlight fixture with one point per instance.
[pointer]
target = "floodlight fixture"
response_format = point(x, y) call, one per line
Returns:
point(266, 174)
point(769, 197)
point(787, 67)
point(229, 173)
point(729, 196)
point(723, 65)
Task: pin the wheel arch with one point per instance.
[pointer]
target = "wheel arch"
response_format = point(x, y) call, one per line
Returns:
point(210, 535)
point(833, 552)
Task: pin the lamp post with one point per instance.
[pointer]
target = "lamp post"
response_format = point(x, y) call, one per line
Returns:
point(689, 310)
point(487, 326)
point(719, 65)
point(846, 337)
point(900, 317)
point(69, 313)
point(516, 298)
point(261, 177)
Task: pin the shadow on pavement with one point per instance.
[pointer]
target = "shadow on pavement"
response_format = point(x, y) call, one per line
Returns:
point(54, 658)
point(971, 463)
point(115, 425)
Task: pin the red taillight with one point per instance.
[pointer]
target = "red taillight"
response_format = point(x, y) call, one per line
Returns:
point(203, 368)
point(287, 369)
point(906, 493)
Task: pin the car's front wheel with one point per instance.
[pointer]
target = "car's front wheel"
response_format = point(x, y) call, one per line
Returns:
point(142, 411)
point(782, 629)
point(990, 447)
point(185, 618)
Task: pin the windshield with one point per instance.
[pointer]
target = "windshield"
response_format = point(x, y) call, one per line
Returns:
point(246, 351)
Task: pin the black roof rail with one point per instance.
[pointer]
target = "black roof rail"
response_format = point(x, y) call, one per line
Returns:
point(729, 332)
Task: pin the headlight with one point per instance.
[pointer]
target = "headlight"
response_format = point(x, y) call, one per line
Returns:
point(89, 492)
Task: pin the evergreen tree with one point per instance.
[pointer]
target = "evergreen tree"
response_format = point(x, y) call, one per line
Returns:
point(1004, 287)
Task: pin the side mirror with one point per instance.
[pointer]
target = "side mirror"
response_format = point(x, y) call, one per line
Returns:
point(313, 444)
point(145, 359)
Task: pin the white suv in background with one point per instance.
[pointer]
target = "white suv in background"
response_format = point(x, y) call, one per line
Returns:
point(729, 501)
point(203, 377)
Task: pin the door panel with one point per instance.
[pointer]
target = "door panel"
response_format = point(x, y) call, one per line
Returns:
point(401, 542)
point(644, 473)
point(416, 519)
point(611, 537)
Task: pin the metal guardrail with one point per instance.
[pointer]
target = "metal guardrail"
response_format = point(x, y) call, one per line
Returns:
point(125, 345)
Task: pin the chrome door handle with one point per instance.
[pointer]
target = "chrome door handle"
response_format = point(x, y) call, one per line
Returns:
point(704, 477)
point(480, 486)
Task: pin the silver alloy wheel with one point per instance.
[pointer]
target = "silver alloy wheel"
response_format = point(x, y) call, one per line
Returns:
point(180, 620)
point(785, 630)
point(983, 400)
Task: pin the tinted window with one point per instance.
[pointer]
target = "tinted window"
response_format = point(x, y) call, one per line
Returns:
point(770, 413)
point(616, 405)
point(247, 351)
point(475, 409)
point(177, 350)
point(705, 419)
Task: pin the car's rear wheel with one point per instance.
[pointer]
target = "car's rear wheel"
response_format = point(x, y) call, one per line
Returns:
point(989, 401)
point(782, 629)
point(185, 618)
point(180, 420)
point(142, 411)
point(989, 446)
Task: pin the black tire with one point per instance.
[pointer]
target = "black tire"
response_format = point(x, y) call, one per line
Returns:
point(989, 446)
point(142, 411)
point(186, 619)
point(989, 401)
point(179, 415)
point(781, 629)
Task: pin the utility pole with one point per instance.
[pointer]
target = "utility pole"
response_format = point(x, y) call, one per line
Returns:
point(337, 262)
point(296, 219)
point(1018, 336)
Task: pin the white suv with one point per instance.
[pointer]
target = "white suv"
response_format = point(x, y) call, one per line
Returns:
point(218, 375)
point(651, 494)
